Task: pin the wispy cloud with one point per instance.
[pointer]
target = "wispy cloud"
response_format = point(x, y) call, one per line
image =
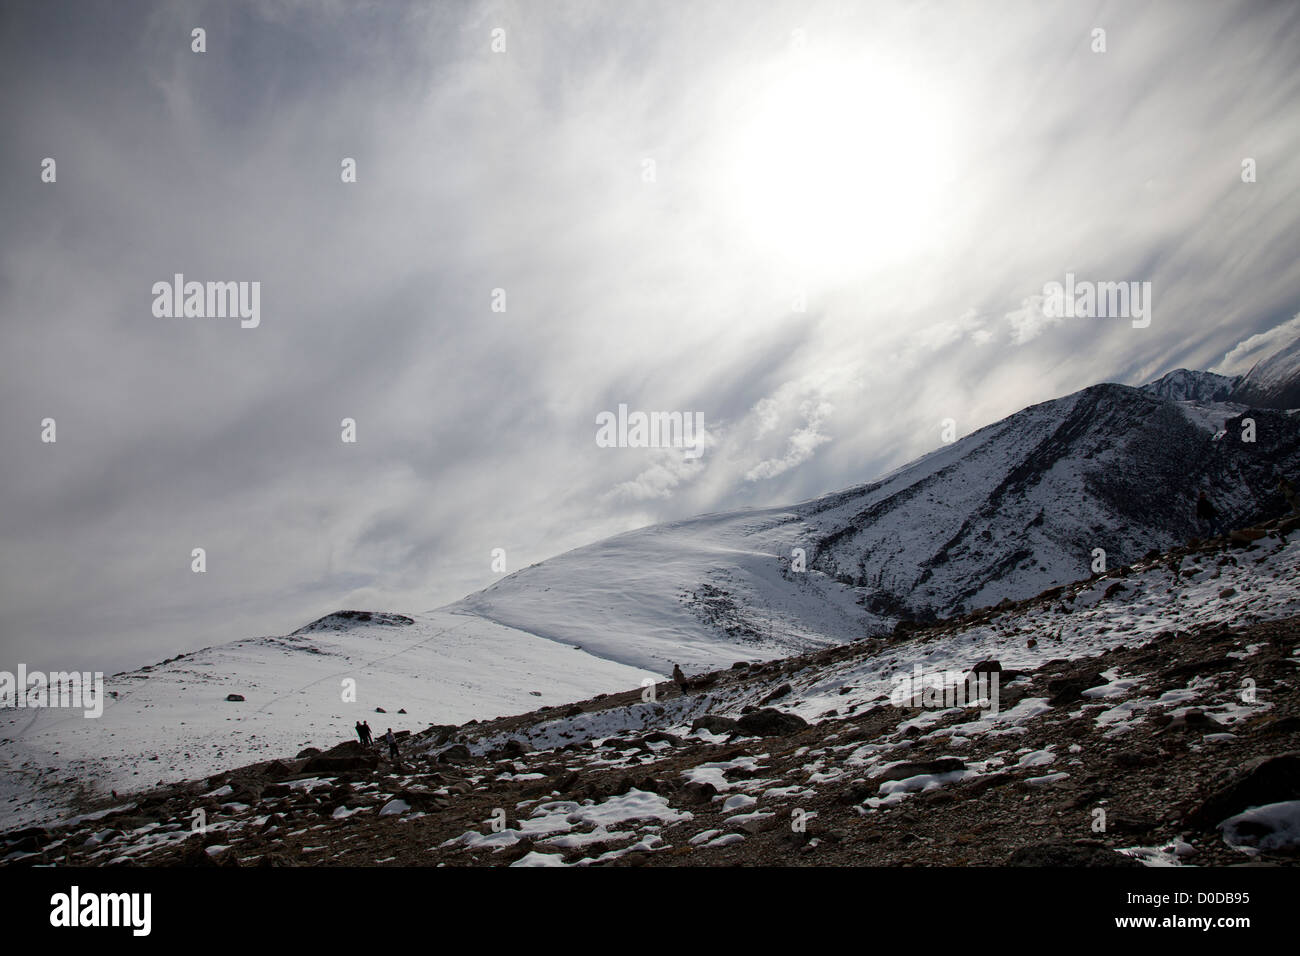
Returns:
point(1249, 351)
point(823, 341)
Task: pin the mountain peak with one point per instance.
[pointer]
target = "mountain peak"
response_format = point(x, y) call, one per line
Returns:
point(1188, 385)
point(346, 620)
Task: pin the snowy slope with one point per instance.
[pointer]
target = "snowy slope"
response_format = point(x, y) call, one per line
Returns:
point(172, 721)
point(1135, 679)
point(1154, 602)
point(1022, 504)
point(701, 593)
point(1006, 512)
point(1274, 382)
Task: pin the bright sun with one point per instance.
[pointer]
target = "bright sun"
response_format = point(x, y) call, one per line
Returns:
point(838, 167)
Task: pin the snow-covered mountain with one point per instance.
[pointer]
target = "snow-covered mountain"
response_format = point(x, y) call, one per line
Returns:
point(1273, 382)
point(1004, 513)
point(1016, 507)
point(1124, 693)
point(1186, 385)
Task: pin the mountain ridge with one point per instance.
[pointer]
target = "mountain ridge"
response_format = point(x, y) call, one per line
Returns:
point(1011, 510)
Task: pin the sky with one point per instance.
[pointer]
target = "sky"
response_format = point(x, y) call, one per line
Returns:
point(823, 227)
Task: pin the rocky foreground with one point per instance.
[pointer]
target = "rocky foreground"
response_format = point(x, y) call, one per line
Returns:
point(1149, 715)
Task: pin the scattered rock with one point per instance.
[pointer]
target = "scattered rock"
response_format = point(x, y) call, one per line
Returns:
point(988, 782)
point(661, 737)
point(777, 694)
point(1132, 759)
point(1280, 725)
point(278, 770)
point(1068, 854)
point(1194, 719)
point(857, 792)
point(697, 793)
point(1066, 690)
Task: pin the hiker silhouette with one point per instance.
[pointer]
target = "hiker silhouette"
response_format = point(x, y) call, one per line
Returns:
point(1206, 514)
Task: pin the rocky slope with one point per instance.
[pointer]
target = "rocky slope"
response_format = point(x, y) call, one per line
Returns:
point(176, 720)
point(1002, 514)
point(1150, 715)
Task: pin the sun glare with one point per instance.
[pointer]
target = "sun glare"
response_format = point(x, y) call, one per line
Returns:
point(838, 167)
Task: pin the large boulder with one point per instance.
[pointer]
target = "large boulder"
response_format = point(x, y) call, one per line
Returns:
point(456, 753)
point(714, 724)
point(349, 755)
point(441, 733)
point(769, 723)
point(1272, 779)
point(329, 763)
point(1069, 854)
point(915, 768)
point(349, 748)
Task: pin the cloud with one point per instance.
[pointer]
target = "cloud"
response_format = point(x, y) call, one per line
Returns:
point(1246, 353)
point(1030, 320)
point(660, 480)
point(801, 442)
point(523, 171)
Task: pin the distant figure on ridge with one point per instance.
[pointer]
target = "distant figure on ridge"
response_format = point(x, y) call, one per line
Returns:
point(679, 678)
point(389, 739)
point(369, 738)
point(361, 733)
point(1207, 514)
